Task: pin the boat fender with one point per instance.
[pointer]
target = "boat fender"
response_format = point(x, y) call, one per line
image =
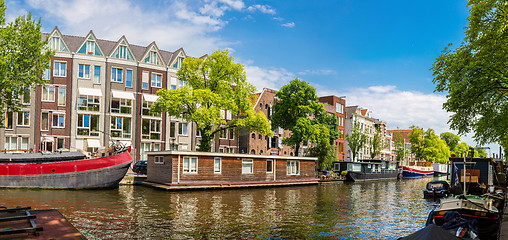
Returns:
point(430, 218)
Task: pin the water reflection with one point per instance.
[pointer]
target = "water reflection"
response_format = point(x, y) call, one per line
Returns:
point(370, 210)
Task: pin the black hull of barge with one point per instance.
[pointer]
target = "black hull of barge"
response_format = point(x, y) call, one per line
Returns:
point(108, 177)
point(358, 176)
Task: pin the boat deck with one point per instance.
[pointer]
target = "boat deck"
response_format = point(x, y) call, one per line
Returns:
point(214, 185)
point(50, 224)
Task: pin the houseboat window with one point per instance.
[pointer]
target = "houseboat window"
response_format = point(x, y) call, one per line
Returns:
point(354, 167)
point(369, 166)
point(217, 165)
point(293, 167)
point(269, 166)
point(190, 164)
point(158, 159)
point(336, 167)
point(247, 166)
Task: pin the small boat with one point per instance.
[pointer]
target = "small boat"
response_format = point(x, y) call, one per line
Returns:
point(417, 169)
point(64, 170)
point(368, 169)
point(436, 189)
point(440, 169)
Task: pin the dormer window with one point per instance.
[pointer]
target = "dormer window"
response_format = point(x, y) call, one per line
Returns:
point(178, 63)
point(56, 43)
point(122, 52)
point(90, 47)
point(152, 58)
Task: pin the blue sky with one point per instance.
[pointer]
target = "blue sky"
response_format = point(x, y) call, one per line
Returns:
point(376, 53)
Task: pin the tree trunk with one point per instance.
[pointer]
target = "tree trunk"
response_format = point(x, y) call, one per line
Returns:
point(297, 149)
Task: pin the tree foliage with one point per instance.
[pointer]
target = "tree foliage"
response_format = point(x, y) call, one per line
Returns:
point(295, 104)
point(435, 149)
point(213, 85)
point(475, 74)
point(376, 143)
point(416, 140)
point(357, 139)
point(23, 58)
point(451, 140)
point(399, 146)
point(325, 149)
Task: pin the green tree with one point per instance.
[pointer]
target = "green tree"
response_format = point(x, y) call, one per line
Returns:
point(479, 152)
point(357, 139)
point(23, 59)
point(375, 143)
point(213, 85)
point(475, 76)
point(435, 149)
point(297, 109)
point(461, 149)
point(451, 140)
point(325, 149)
point(400, 146)
point(416, 140)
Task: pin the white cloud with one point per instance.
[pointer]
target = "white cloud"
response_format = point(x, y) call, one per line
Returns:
point(288, 25)
point(262, 8)
point(317, 72)
point(272, 78)
point(237, 5)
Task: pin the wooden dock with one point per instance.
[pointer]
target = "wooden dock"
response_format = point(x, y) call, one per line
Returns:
point(230, 185)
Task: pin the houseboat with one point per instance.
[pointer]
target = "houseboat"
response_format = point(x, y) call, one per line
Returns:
point(64, 170)
point(370, 169)
point(417, 169)
point(440, 169)
point(179, 170)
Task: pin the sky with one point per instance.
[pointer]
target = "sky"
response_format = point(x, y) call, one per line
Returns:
point(376, 53)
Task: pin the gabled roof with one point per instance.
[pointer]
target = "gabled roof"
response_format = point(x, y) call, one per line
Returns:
point(179, 52)
point(65, 41)
point(130, 48)
point(148, 49)
point(91, 37)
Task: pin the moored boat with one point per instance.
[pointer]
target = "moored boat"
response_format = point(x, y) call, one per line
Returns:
point(368, 169)
point(436, 189)
point(417, 169)
point(440, 169)
point(64, 170)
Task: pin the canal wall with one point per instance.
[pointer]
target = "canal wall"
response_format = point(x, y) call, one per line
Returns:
point(504, 223)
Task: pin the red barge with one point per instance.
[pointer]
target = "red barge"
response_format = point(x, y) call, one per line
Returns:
point(64, 170)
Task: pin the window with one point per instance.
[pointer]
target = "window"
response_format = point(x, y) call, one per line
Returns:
point(84, 71)
point(158, 159)
point(24, 118)
point(144, 81)
point(253, 136)
point(24, 143)
point(97, 74)
point(58, 120)
point(90, 47)
point(45, 121)
point(172, 130)
point(178, 62)
point(61, 96)
point(152, 57)
point(60, 69)
point(116, 75)
point(269, 166)
point(25, 98)
point(217, 165)
point(182, 129)
point(60, 143)
point(190, 164)
point(156, 146)
point(46, 75)
point(223, 134)
point(88, 125)
point(156, 80)
point(145, 147)
point(11, 143)
point(128, 78)
point(247, 166)
point(151, 129)
point(293, 167)
point(339, 108)
point(121, 127)
point(88, 103)
point(145, 109)
point(57, 44)
point(8, 120)
point(121, 106)
point(48, 94)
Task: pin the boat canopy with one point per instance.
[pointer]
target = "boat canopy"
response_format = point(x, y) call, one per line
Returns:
point(40, 157)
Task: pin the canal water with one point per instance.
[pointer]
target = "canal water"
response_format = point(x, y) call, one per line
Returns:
point(386, 209)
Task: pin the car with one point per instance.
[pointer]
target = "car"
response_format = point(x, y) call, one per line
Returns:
point(140, 167)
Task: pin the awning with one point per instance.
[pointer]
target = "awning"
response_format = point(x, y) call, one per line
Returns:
point(47, 139)
point(90, 92)
point(150, 97)
point(122, 94)
point(93, 143)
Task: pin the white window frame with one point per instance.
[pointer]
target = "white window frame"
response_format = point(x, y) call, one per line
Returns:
point(293, 167)
point(156, 80)
point(145, 79)
point(158, 160)
point(58, 117)
point(42, 122)
point(48, 90)
point(114, 77)
point(25, 122)
point(132, 77)
point(122, 103)
point(90, 47)
point(60, 101)
point(123, 134)
point(246, 162)
point(97, 78)
point(271, 163)
point(183, 131)
point(84, 71)
point(58, 71)
point(90, 101)
point(8, 145)
point(22, 145)
point(187, 165)
point(153, 128)
point(90, 133)
point(219, 169)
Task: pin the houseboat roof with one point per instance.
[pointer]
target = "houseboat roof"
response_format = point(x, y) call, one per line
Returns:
point(233, 155)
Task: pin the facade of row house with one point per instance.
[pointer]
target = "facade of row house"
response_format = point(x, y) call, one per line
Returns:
point(99, 92)
point(337, 106)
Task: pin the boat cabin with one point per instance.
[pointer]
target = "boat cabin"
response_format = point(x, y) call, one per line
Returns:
point(480, 173)
point(368, 169)
point(175, 168)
